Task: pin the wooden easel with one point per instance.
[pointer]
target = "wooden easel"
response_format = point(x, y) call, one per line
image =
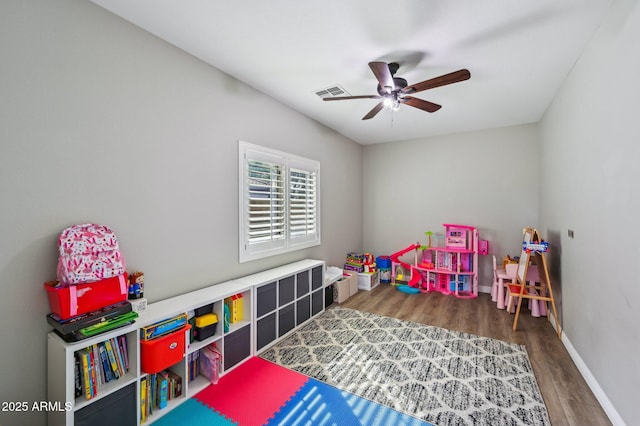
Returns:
point(537, 291)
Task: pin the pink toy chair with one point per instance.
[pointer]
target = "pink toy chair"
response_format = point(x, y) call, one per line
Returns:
point(502, 277)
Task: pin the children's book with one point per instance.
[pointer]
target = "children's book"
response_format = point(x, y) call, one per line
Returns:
point(112, 359)
point(78, 376)
point(106, 365)
point(118, 355)
point(163, 389)
point(143, 399)
point(175, 385)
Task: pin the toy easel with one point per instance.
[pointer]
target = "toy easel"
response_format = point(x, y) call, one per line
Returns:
point(537, 291)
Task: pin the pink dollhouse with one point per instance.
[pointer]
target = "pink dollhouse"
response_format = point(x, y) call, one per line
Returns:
point(449, 269)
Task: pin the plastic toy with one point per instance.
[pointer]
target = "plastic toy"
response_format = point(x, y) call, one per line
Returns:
point(541, 247)
point(429, 234)
point(234, 303)
point(395, 262)
point(369, 263)
point(361, 263)
point(483, 247)
point(451, 268)
point(384, 266)
point(136, 286)
point(407, 289)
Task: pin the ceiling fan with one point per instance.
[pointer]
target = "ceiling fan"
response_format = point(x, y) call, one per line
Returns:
point(394, 90)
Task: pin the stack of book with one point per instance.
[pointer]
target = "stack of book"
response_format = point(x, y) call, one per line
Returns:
point(156, 390)
point(100, 363)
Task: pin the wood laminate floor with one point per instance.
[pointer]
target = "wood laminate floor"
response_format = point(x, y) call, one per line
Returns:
point(568, 399)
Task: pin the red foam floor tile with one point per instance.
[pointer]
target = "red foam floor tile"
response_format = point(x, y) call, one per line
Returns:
point(253, 392)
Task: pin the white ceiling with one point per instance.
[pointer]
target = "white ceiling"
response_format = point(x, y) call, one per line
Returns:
point(518, 53)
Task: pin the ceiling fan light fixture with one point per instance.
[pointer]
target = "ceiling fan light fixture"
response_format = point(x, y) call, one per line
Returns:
point(388, 102)
point(391, 102)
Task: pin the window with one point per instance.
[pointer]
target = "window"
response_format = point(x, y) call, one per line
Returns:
point(279, 202)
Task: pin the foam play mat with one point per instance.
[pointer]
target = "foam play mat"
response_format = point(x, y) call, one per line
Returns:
point(259, 392)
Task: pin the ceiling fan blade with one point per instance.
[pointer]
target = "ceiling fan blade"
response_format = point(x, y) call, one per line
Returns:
point(376, 109)
point(443, 80)
point(342, 98)
point(420, 104)
point(383, 75)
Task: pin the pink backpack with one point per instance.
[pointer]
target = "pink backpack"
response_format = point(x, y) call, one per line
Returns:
point(88, 253)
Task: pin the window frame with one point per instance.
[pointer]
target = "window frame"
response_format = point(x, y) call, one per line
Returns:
point(301, 195)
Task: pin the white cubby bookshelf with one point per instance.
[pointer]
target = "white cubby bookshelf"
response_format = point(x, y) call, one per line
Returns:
point(237, 344)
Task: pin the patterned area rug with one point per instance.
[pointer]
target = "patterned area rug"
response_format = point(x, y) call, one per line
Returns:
point(441, 376)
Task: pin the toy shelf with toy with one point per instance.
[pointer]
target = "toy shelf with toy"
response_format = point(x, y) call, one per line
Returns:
point(61, 363)
point(61, 356)
point(232, 339)
point(196, 340)
point(233, 342)
point(364, 264)
point(186, 371)
point(293, 294)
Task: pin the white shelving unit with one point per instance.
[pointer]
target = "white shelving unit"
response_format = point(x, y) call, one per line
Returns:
point(215, 295)
point(61, 367)
point(284, 299)
point(305, 279)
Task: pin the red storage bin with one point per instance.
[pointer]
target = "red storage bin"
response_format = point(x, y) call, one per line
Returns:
point(161, 353)
point(73, 300)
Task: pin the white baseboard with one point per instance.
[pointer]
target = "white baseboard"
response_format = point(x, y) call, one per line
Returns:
point(593, 384)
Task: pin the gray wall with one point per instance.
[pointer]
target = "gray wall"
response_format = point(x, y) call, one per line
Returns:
point(471, 178)
point(590, 156)
point(102, 122)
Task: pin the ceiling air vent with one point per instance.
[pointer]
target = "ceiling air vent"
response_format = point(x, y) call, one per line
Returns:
point(332, 91)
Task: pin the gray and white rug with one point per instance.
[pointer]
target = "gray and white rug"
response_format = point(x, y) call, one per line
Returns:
point(441, 376)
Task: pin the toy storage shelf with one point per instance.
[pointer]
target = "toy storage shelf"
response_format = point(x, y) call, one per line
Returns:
point(284, 299)
point(215, 296)
point(302, 298)
point(61, 358)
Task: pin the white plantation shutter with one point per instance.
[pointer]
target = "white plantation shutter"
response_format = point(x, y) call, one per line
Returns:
point(266, 207)
point(303, 220)
point(279, 202)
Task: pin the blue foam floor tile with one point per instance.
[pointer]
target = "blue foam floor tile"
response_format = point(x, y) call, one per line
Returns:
point(193, 413)
point(317, 403)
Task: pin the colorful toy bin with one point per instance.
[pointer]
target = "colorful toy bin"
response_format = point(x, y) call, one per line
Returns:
point(384, 266)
